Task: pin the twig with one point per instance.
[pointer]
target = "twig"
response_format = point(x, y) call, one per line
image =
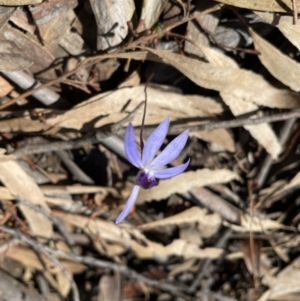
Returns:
point(98, 136)
point(55, 146)
point(220, 244)
point(46, 96)
point(39, 248)
point(76, 143)
point(295, 12)
point(238, 122)
point(78, 173)
point(267, 164)
point(43, 286)
point(144, 114)
point(90, 261)
point(118, 125)
point(124, 270)
point(55, 221)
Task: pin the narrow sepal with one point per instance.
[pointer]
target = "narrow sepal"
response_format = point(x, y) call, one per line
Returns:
point(131, 150)
point(171, 172)
point(129, 204)
point(171, 151)
point(154, 142)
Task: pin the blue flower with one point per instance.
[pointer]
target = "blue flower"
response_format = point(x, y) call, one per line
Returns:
point(151, 168)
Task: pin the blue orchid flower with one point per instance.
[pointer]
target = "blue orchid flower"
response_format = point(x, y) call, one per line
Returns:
point(151, 168)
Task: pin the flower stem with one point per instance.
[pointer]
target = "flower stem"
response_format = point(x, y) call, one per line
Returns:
point(144, 114)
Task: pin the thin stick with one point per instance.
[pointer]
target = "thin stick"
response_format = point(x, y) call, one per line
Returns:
point(251, 239)
point(143, 121)
point(144, 114)
point(56, 221)
point(39, 248)
point(207, 262)
point(96, 138)
point(90, 261)
point(295, 12)
point(284, 134)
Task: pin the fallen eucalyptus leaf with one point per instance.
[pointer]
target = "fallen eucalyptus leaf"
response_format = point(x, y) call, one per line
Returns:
point(21, 185)
point(278, 64)
point(208, 223)
point(184, 182)
point(285, 24)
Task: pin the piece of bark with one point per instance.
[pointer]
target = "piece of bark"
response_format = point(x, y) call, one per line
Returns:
point(111, 18)
point(13, 290)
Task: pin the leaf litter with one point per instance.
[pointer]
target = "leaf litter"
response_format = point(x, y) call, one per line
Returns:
point(75, 75)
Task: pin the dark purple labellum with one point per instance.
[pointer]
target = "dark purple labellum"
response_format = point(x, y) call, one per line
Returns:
point(145, 180)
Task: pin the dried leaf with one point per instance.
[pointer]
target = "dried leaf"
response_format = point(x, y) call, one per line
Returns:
point(13, 290)
point(111, 18)
point(208, 223)
point(188, 265)
point(19, 48)
point(28, 258)
point(257, 224)
point(12, 62)
point(21, 19)
point(53, 28)
point(216, 58)
point(151, 11)
point(185, 182)
point(285, 24)
point(293, 185)
point(23, 124)
point(210, 22)
point(239, 83)
point(5, 87)
point(5, 194)
point(63, 284)
point(265, 5)
point(285, 283)
point(225, 76)
point(6, 12)
point(279, 65)
point(57, 201)
point(133, 80)
point(119, 240)
point(79, 189)
point(159, 106)
point(263, 132)
point(72, 42)
point(251, 255)
point(110, 103)
point(48, 10)
point(187, 250)
point(216, 204)
point(20, 184)
point(191, 234)
point(110, 288)
point(221, 137)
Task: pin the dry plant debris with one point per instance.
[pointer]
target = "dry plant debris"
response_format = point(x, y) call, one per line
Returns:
point(74, 74)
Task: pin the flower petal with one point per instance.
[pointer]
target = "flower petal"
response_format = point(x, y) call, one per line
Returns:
point(154, 142)
point(131, 150)
point(130, 202)
point(171, 151)
point(171, 172)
